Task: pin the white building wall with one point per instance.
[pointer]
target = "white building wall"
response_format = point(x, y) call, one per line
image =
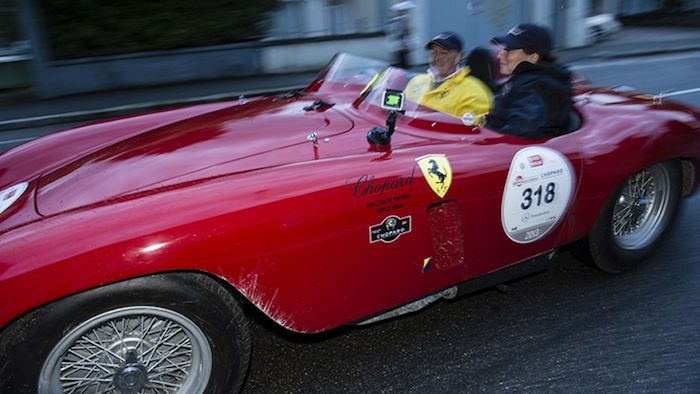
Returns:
point(419, 19)
point(541, 12)
point(365, 16)
point(575, 29)
point(476, 21)
point(319, 18)
point(564, 17)
point(306, 56)
point(314, 18)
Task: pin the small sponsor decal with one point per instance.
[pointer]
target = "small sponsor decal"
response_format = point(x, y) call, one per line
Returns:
point(468, 119)
point(437, 172)
point(368, 185)
point(388, 203)
point(520, 180)
point(552, 173)
point(535, 161)
point(427, 264)
point(390, 229)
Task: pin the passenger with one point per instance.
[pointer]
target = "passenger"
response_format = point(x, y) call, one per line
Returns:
point(448, 87)
point(536, 101)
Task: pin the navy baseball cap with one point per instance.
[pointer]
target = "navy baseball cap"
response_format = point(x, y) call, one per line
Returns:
point(448, 40)
point(533, 38)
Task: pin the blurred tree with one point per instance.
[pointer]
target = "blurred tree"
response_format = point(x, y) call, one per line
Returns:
point(82, 28)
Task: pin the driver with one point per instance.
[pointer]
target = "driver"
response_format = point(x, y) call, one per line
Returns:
point(448, 87)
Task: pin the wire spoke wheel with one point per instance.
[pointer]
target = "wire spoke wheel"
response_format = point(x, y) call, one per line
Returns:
point(174, 333)
point(140, 349)
point(641, 208)
point(634, 220)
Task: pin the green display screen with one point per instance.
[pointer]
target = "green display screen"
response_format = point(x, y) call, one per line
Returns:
point(392, 100)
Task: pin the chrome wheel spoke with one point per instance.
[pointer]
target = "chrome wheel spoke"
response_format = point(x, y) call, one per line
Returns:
point(640, 208)
point(152, 349)
point(622, 220)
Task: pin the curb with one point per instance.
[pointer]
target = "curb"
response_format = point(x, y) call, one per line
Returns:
point(645, 52)
point(79, 116)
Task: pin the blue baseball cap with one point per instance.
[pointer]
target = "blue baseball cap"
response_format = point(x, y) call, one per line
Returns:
point(448, 40)
point(530, 37)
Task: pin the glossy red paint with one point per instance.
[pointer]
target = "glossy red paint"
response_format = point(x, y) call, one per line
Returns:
point(237, 191)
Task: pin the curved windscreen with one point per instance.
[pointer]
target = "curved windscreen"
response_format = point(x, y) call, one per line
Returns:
point(368, 80)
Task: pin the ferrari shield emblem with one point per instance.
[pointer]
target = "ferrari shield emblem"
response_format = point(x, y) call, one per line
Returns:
point(437, 172)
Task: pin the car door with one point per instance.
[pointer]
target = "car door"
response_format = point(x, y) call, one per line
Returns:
point(507, 200)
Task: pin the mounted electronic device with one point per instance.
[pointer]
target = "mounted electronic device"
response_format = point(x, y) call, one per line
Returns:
point(392, 101)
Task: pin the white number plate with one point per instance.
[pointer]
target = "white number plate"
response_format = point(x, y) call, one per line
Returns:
point(537, 193)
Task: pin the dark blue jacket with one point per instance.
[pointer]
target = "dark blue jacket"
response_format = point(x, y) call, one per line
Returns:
point(534, 103)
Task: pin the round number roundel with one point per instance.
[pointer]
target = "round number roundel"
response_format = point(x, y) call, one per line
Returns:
point(537, 193)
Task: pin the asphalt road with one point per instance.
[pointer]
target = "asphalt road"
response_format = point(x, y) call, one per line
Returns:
point(570, 329)
point(653, 74)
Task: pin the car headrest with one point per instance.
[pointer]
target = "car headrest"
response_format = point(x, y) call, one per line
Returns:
point(481, 62)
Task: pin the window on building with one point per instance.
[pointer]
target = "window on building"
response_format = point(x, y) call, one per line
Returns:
point(288, 20)
point(9, 30)
point(339, 17)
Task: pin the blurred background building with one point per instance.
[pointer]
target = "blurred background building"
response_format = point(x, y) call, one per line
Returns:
point(61, 47)
point(14, 49)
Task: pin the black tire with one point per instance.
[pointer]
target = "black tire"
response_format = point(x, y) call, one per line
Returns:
point(186, 320)
point(634, 220)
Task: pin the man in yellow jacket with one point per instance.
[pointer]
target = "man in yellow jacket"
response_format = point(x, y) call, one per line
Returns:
point(447, 87)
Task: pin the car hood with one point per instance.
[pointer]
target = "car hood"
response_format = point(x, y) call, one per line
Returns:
point(234, 139)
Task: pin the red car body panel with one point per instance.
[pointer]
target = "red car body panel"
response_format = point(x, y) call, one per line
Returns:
point(213, 140)
point(235, 190)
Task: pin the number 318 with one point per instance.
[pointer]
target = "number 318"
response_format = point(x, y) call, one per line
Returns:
point(529, 193)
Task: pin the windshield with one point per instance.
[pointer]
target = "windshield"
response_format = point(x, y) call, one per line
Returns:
point(346, 72)
point(365, 81)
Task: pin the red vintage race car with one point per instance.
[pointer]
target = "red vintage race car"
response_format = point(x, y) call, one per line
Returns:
point(129, 247)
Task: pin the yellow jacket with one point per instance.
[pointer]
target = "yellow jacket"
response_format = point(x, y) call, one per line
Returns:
point(461, 95)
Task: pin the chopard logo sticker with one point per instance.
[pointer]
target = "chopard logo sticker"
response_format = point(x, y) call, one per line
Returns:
point(390, 229)
point(368, 185)
point(437, 172)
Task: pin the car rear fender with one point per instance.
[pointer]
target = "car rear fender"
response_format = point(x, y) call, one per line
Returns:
point(643, 138)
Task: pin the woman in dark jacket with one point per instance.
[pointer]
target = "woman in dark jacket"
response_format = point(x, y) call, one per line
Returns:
point(536, 101)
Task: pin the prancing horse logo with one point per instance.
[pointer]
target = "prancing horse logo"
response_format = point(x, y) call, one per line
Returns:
point(437, 172)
